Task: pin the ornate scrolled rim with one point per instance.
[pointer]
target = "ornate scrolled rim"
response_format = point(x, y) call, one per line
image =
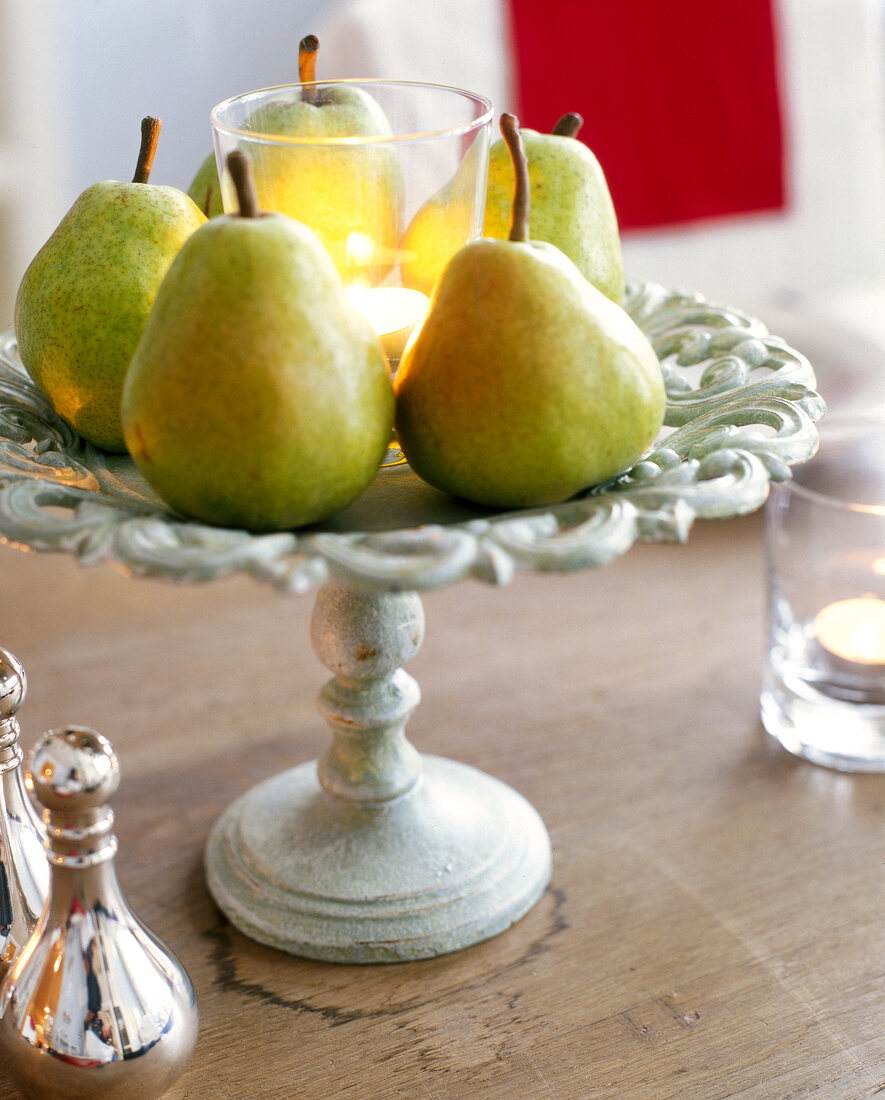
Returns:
point(747, 416)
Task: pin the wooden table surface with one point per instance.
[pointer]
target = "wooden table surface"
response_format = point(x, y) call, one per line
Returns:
point(714, 926)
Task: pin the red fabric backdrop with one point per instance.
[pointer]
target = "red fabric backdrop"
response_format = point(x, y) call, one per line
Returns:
point(680, 99)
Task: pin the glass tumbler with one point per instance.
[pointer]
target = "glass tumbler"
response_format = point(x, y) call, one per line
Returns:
point(391, 175)
point(823, 695)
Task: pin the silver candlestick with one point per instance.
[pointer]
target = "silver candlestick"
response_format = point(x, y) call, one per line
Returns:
point(95, 1005)
point(24, 872)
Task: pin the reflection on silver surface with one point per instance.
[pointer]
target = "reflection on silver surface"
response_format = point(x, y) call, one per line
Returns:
point(95, 1005)
point(24, 873)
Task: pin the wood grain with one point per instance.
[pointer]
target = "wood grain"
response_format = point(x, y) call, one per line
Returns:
point(713, 927)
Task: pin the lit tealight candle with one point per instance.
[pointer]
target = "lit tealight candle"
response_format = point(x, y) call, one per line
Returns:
point(393, 312)
point(854, 631)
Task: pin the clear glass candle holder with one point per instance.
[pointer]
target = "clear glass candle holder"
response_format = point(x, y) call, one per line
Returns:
point(823, 695)
point(391, 175)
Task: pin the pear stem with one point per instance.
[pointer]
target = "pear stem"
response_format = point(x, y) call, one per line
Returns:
point(519, 226)
point(568, 125)
point(239, 164)
point(307, 66)
point(150, 135)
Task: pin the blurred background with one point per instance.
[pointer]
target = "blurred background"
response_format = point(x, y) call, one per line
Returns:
point(745, 145)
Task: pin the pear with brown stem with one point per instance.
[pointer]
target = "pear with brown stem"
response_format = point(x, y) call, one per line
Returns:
point(333, 169)
point(571, 203)
point(314, 168)
point(84, 300)
point(525, 383)
point(205, 188)
point(259, 396)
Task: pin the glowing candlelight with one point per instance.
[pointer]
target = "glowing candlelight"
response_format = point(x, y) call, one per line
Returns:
point(854, 630)
point(394, 312)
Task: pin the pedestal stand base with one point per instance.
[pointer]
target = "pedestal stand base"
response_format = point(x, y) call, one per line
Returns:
point(453, 861)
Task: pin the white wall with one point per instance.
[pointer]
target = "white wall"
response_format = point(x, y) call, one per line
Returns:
point(76, 77)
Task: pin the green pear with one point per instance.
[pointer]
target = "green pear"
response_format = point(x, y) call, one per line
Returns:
point(525, 383)
point(350, 194)
point(205, 189)
point(85, 298)
point(448, 220)
point(259, 396)
point(571, 204)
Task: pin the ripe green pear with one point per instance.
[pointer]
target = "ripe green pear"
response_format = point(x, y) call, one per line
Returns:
point(571, 204)
point(448, 220)
point(259, 396)
point(525, 383)
point(85, 298)
point(349, 192)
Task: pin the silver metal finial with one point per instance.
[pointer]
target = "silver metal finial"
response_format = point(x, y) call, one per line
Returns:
point(24, 874)
point(13, 685)
point(74, 769)
point(95, 1005)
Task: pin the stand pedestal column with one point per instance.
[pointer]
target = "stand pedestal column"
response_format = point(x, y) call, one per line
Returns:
point(375, 853)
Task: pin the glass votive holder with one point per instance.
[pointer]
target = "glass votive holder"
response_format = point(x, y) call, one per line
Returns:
point(391, 175)
point(823, 695)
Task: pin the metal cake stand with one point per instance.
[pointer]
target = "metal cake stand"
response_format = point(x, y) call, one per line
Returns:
point(376, 852)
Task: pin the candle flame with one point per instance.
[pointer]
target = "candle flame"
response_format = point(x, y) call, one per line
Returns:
point(359, 250)
point(854, 629)
point(394, 313)
point(866, 641)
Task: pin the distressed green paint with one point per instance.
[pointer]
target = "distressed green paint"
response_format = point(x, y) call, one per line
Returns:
point(375, 854)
